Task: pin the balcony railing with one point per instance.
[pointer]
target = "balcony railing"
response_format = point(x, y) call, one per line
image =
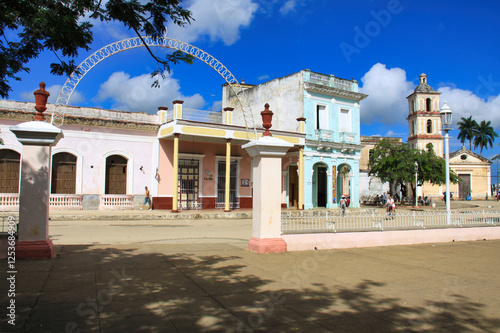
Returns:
point(342, 84)
point(324, 135)
point(347, 137)
point(331, 81)
point(115, 202)
point(197, 115)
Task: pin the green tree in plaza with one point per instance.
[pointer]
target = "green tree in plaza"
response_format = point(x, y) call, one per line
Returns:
point(485, 136)
point(432, 168)
point(28, 28)
point(394, 162)
point(468, 130)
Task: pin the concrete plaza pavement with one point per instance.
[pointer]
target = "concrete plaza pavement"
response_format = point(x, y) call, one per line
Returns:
point(197, 276)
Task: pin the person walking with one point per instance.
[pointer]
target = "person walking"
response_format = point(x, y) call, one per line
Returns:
point(147, 199)
point(343, 204)
point(390, 205)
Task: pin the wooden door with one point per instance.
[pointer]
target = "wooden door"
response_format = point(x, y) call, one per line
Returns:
point(116, 175)
point(9, 171)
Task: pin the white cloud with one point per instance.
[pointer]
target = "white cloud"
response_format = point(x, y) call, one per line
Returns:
point(288, 7)
point(387, 90)
point(465, 103)
point(263, 77)
point(136, 93)
point(217, 19)
point(387, 103)
point(54, 91)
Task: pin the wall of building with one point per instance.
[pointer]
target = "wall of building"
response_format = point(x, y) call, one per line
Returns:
point(284, 96)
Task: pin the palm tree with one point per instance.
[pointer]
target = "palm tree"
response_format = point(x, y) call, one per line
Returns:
point(468, 130)
point(485, 136)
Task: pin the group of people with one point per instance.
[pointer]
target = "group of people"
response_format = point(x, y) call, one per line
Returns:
point(381, 199)
point(423, 202)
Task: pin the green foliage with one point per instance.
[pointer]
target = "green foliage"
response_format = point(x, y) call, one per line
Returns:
point(395, 163)
point(392, 162)
point(468, 130)
point(485, 136)
point(29, 27)
point(432, 168)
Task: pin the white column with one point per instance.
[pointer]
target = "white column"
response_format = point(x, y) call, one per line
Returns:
point(37, 138)
point(266, 230)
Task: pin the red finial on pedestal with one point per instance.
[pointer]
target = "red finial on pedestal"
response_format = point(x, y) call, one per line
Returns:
point(267, 117)
point(41, 96)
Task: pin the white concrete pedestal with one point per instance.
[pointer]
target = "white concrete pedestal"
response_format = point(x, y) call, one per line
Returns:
point(33, 234)
point(266, 230)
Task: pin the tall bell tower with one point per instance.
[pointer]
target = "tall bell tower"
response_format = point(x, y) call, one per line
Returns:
point(424, 120)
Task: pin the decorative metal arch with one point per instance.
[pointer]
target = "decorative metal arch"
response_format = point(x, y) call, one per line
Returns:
point(131, 43)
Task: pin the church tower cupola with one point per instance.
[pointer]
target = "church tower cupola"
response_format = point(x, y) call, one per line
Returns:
point(424, 122)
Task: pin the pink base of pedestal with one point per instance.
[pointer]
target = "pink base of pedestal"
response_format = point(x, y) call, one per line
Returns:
point(265, 245)
point(35, 249)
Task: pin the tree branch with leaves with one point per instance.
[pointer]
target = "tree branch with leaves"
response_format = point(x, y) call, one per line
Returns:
point(28, 28)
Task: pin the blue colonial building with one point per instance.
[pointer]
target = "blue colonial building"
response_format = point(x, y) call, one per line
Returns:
point(325, 108)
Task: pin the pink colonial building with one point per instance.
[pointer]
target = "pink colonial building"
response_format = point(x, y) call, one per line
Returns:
point(106, 158)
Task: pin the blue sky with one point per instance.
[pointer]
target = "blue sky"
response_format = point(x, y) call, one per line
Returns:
point(385, 45)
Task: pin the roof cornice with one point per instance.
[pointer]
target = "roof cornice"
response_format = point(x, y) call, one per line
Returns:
point(318, 88)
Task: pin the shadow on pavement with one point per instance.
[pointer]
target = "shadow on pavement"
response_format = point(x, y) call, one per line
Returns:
point(161, 289)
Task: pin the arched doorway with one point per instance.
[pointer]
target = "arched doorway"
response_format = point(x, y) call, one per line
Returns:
point(343, 181)
point(63, 173)
point(320, 185)
point(293, 186)
point(116, 175)
point(9, 171)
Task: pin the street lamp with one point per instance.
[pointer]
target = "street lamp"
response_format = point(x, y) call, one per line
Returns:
point(416, 182)
point(446, 122)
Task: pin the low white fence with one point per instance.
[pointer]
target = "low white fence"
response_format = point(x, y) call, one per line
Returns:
point(10, 201)
point(66, 201)
point(332, 221)
point(115, 201)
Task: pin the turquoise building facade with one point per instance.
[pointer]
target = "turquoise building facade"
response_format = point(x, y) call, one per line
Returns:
point(325, 108)
point(333, 146)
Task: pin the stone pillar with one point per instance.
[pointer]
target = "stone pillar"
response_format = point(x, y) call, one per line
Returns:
point(37, 138)
point(178, 109)
point(301, 178)
point(267, 153)
point(227, 183)
point(302, 124)
point(175, 173)
point(228, 116)
point(162, 114)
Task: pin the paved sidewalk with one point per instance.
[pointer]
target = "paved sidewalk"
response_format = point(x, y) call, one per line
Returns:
point(221, 287)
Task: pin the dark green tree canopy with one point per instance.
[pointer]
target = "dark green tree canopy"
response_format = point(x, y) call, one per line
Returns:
point(29, 27)
point(394, 162)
